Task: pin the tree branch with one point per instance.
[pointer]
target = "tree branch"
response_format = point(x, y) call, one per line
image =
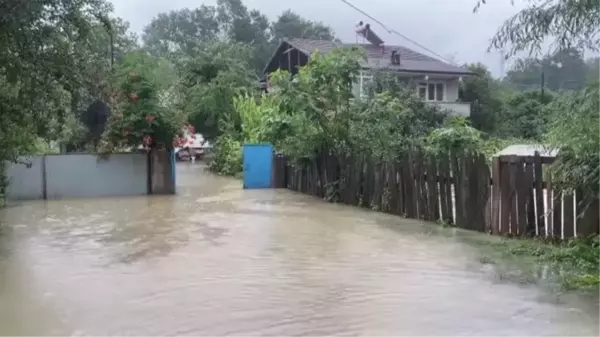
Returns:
point(569, 23)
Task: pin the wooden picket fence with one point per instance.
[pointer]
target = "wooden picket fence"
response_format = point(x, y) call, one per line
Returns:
point(525, 202)
point(457, 189)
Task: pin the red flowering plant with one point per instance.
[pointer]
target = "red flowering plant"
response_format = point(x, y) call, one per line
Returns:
point(185, 136)
point(138, 117)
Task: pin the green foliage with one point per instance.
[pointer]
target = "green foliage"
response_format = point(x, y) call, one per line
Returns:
point(54, 61)
point(392, 123)
point(290, 24)
point(315, 111)
point(182, 32)
point(179, 32)
point(577, 259)
point(227, 156)
point(486, 97)
point(570, 24)
point(317, 101)
point(525, 115)
point(573, 130)
point(209, 82)
point(456, 134)
point(140, 116)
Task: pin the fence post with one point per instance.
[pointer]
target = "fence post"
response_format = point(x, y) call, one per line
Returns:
point(495, 195)
point(149, 171)
point(44, 178)
point(539, 193)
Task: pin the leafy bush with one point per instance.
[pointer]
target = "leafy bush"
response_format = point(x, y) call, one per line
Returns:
point(574, 129)
point(526, 115)
point(315, 112)
point(576, 259)
point(217, 73)
point(140, 117)
point(227, 156)
point(456, 134)
point(391, 123)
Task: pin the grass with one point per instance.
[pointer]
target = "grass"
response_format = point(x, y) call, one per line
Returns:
point(576, 260)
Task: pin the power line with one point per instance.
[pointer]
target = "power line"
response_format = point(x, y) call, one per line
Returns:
point(392, 31)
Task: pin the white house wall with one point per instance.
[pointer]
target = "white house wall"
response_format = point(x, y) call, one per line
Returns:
point(452, 90)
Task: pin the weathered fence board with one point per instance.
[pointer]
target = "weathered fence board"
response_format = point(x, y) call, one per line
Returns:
point(460, 188)
point(432, 189)
point(496, 197)
point(569, 215)
point(539, 194)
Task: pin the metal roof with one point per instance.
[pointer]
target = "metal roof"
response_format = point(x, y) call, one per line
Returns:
point(380, 56)
point(526, 150)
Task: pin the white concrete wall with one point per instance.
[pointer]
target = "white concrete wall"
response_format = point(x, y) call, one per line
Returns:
point(25, 182)
point(79, 175)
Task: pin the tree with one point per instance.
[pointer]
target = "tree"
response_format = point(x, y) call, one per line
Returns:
point(292, 25)
point(485, 95)
point(95, 60)
point(526, 115)
point(573, 130)
point(210, 80)
point(181, 31)
point(39, 55)
point(247, 27)
point(40, 58)
point(569, 23)
point(141, 115)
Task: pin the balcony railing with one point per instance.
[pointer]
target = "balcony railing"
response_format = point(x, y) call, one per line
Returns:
point(456, 108)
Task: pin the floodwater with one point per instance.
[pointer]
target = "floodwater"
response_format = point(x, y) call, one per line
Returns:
point(217, 260)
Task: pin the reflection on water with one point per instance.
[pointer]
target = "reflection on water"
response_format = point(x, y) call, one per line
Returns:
point(216, 259)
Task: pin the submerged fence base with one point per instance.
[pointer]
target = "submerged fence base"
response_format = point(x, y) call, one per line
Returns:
point(457, 189)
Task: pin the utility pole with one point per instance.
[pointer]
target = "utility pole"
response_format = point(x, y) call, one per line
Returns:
point(543, 83)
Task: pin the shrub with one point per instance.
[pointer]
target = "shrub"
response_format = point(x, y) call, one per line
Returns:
point(227, 159)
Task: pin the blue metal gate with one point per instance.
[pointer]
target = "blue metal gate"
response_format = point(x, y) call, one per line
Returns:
point(258, 164)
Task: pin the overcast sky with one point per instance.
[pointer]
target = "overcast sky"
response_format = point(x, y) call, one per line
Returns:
point(447, 27)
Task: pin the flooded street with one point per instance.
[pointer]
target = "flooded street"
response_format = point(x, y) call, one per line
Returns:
point(216, 260)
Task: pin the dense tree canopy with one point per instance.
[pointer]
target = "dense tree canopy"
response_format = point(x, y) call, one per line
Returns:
point(290, 24)
point(187, 30)
point(46, 67)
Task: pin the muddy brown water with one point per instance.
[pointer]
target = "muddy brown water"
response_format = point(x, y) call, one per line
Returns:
point(217, 260)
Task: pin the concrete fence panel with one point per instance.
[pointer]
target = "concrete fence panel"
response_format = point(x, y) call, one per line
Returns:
point(25, 182)
point(87, 175)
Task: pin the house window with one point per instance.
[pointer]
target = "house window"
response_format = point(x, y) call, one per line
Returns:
point(365, 83)
point(431, 91)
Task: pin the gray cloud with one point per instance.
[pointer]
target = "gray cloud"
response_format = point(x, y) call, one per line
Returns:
point(448, 27)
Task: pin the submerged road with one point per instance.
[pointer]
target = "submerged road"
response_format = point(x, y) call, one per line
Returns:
point(216, 260)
